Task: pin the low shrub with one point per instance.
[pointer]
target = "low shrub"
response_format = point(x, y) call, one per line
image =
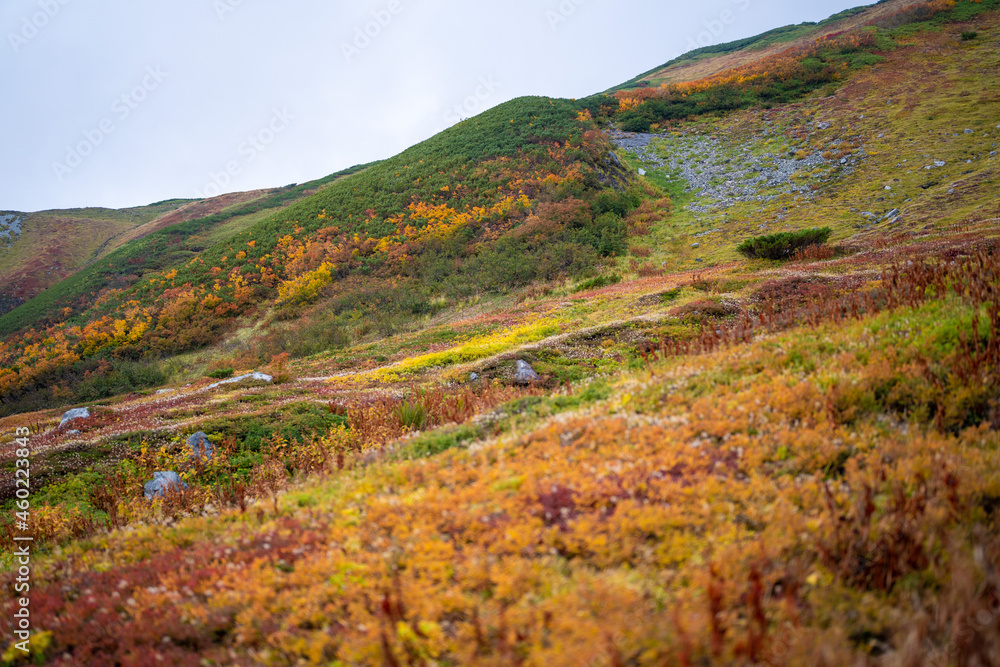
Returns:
point(783, 244)
point(598, 282)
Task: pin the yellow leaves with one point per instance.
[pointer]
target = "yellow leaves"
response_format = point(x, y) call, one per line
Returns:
point(629, 103)
point(306, 288)
point(36, 646)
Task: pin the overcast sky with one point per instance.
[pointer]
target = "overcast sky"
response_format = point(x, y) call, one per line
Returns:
point(126, 102)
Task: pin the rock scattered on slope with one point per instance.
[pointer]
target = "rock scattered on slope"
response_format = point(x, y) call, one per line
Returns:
point(78, 413)
point(161, 483)
point(200, 446)
point(525, 374)
point(723, 175)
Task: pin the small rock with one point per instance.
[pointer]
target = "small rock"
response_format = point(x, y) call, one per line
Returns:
point(200, 446)
point(894, 213)
point(993, 153)
point(642, 172)
point(473, 377)
point(525, 374)
point(939, 163)
point(881, 136)
point(72, 432)
point(695, 245)
point(78, 413)
point(968, 131)
point(827, 126)
point(888, 187)
point(951, 191)
point(161, 483)
point(868, 214)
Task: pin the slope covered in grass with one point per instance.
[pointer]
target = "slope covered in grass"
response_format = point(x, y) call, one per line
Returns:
point(724, 460)
point(438, 223)
point(716, 506)
point(51, 245)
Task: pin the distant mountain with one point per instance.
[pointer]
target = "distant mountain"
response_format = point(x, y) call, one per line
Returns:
point(705, 59)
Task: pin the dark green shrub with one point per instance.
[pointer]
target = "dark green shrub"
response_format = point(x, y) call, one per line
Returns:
point(632, 122)
point(783, 244)
point(598, 282)
point(969, 35)
point(222, 373)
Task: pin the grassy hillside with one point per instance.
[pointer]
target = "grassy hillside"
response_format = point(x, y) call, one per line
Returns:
point(52, 245)
point(705, 62)
point(723, 460)
point(432, 226)
point(158, 244)
point(787, 74)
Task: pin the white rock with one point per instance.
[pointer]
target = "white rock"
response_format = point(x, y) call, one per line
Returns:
point(78, 413)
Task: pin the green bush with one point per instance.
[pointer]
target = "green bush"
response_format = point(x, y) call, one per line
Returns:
point(635, 123)
point(222, 373)
point(598, 282)
point(783, 244)
point(969, 35)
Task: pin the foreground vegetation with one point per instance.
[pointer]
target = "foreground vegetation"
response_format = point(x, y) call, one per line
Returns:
point(788, 458)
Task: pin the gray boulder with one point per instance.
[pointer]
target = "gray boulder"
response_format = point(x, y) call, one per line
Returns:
point(161, 483)
point(525, 374)
point(473, 377)
point(201, 446)
point(78, 413)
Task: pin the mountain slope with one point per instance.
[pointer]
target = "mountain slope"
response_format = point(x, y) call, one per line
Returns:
point(436, 219)
point(706, 61)
point(52, 245)
point(724, 460)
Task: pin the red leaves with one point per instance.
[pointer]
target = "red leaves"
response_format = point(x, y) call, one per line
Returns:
point(558, 506)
